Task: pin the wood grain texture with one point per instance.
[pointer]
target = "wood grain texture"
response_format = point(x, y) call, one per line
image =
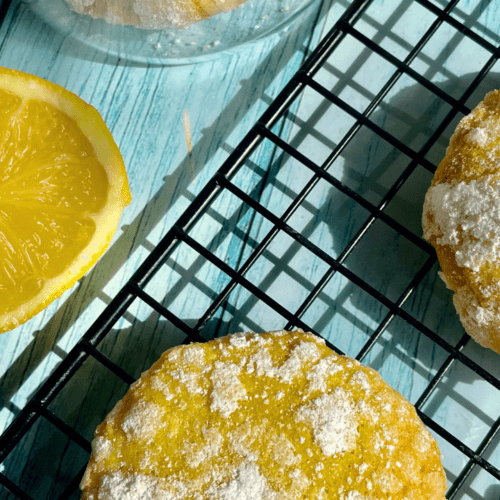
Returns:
point(144, 106)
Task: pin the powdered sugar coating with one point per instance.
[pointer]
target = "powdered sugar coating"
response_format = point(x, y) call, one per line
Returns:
point(248, 484)
point(467, 218)
point(227, 388)
point(117, 486)
point(142, 420)
point(277, 416)
point(101, 448)
point(334, 420)
point(481, 136)
point(461, 218)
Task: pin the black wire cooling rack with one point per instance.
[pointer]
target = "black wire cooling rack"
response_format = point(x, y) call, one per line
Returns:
point(376, 171)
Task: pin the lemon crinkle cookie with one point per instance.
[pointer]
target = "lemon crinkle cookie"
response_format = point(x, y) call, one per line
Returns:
point(153, 14)
point(275, 416)
point(461, 218)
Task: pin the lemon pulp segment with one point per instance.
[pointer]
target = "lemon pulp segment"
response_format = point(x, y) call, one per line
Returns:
point(57, 208)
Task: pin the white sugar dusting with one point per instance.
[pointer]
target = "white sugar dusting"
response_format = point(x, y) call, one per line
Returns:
point(116, 486)
point(261, 363)
point(354, 495)
point(303, 354)
point(101, 448)
point(300, 480)
point(211, 448)
point(362, 468)
point(242, 340)
point(422, 441)
point(239, 340)
point(318, 375)
point(142, 420)
point(387, 482)
point(159, 385)
point(248, 484)
point(479, 136)
point(473, 316)
point(194, 354)
point(466, 217)
point(283, 452)
point(190, 379)
point(227, 389)
point(361, 378)
point(173, 355)
point(334, 421)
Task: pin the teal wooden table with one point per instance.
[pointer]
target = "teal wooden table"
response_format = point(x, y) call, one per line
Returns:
point(414, 336)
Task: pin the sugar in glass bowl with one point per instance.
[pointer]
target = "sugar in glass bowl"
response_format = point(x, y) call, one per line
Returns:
point(154, 42)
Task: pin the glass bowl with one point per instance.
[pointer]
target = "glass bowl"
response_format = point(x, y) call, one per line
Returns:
point(251, 21)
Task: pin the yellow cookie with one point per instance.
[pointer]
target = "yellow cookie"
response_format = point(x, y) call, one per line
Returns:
point(275, 416)
point(461, 218)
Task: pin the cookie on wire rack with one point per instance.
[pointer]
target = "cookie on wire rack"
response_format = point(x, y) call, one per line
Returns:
point(461, 218)
point(274, 416)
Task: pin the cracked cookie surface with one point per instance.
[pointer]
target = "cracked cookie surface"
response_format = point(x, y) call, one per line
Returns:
point(461, 219)
point(269, 416)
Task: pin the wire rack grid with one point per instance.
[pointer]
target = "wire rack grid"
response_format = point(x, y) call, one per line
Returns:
point(313, 222)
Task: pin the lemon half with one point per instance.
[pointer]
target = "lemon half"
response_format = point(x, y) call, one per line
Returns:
point(63, 187)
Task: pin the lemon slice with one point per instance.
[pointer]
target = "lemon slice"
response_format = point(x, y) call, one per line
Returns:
point(63, 187)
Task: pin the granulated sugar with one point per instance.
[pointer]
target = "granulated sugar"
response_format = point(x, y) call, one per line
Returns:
point(302, 355)
point(227, 389)
point(138, 486)
point(101, 448)
point(248, 484)
point(481, 136)
point(141, 422)
point(334, 421)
